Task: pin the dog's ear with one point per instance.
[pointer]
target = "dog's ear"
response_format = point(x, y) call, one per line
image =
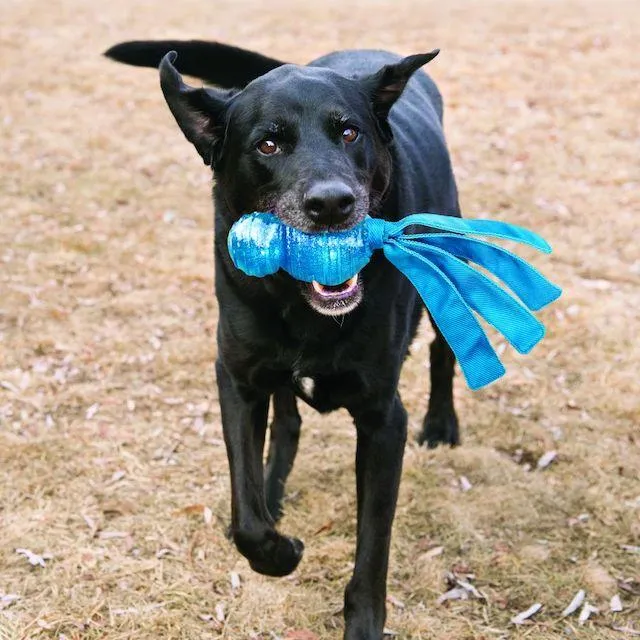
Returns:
point(385, 86)
point(200, 113)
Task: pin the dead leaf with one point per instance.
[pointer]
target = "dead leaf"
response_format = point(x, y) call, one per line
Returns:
point(8, 599)
point(301, 634)
point(586, 612)
point(457, 593)
point(467, 586)
point(630, 548)
point(34, 559)
point(235, 580)
point(91, 523)
point(524, 616)
point(91, 411)
point(43, 624)
point(113, 508)
point(580, 519)
point(574, 605)
point(5, 384)
point(627, 630)
point(615, 604)
point(327, 526)
point(112, 535)
point(190, 510)
point(546, 459)
point(460, 589)
point(630, 586)
point(395, 602)
point(207, 617)
point(117, 476)
point(432, 553)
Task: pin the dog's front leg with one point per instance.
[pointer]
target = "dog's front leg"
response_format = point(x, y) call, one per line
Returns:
point(244, 423)
point(382, 434)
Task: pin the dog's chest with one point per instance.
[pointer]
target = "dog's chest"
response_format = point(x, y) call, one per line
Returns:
point(327, 391)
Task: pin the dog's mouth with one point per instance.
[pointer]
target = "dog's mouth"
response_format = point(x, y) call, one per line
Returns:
point(335, 300)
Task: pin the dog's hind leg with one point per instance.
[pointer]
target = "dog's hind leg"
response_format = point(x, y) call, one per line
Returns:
point(244, 423)
point(440, 425)
point(283, 446)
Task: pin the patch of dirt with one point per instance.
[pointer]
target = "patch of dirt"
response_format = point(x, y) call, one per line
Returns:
point(113, 475)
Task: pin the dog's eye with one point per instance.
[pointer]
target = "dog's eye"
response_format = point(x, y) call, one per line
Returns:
point(350, 134)
point(268, 147)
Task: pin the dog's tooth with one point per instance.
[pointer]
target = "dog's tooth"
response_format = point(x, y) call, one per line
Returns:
point(349, 284)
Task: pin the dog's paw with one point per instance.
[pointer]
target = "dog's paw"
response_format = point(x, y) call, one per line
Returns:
point(271, 554)
point(364, 614)
point(440, 428)
point(362, 631)
point(281, 558)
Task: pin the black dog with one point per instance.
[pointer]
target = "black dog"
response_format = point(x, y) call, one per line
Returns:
point(321, 145)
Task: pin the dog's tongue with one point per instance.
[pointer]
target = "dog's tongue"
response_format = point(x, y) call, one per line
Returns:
point(336, 291)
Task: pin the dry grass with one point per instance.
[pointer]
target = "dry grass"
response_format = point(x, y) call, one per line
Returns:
point(110, 442)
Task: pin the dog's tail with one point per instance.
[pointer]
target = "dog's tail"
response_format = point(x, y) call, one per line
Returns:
point(219, 64)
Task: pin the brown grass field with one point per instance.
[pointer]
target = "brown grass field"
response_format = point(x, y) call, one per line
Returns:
point(112, 467)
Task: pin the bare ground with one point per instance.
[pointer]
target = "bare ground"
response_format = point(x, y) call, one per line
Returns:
point(111, 461)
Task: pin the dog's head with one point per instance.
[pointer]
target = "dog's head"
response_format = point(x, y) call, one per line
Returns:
point(305, 143)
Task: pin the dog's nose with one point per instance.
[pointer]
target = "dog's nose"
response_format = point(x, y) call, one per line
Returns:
point(329, 202)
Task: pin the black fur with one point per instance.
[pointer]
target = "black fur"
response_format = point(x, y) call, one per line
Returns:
point(275, 339)
point(233, 67)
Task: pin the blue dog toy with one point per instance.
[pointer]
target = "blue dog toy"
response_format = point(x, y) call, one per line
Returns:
point(260, 245)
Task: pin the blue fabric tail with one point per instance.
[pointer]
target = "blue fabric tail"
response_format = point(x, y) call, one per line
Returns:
point(523, 279)
point(451, 289)
point(493, 228)
point(522, 329)
point(460, 328)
